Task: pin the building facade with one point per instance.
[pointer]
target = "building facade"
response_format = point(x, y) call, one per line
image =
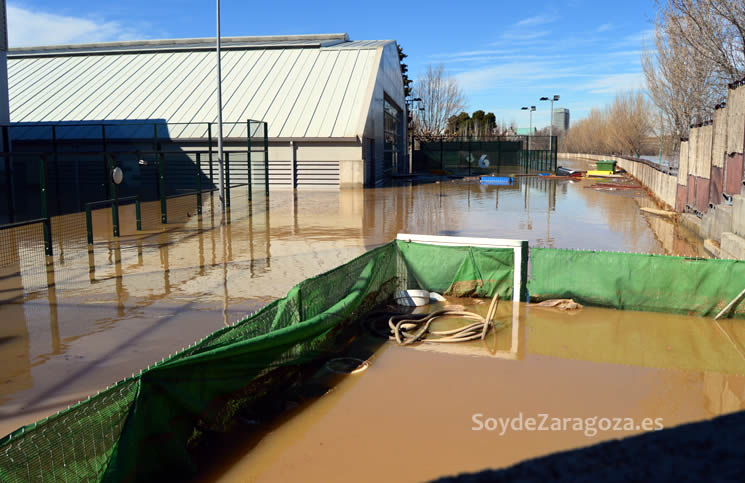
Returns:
point(334, 107)
point(560, 119)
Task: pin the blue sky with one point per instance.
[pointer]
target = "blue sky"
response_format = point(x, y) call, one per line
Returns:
point(505, 54)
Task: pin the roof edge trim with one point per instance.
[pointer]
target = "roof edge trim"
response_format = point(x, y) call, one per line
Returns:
point(205, 43)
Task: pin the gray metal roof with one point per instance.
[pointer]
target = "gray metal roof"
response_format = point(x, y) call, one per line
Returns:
point(303, 86)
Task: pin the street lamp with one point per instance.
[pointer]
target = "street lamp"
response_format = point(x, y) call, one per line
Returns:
point(551, 120)
point(530, 129)
point(410, 106)
point(219, 116)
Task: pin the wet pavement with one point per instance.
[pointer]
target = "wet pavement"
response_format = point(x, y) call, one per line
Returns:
point(88, 319)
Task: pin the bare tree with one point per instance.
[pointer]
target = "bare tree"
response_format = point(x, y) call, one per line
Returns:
point(622, 127)
point(630, 121)
point(679, 80)
point(699, 48)
point(714, 29)
point(441, 97)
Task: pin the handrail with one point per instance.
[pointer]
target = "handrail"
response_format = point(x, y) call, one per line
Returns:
point(19, 224)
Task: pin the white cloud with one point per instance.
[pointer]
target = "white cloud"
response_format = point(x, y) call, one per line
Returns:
point(637, 40)
point(604, 28)
point(509, 74)
point(535, 21)
point(616, 82)
point(472, 53)
point(527, 31)
point(35, 27)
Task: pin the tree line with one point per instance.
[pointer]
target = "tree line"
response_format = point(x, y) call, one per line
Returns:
point(622, 127)
point(443, 112)
point(479, 124)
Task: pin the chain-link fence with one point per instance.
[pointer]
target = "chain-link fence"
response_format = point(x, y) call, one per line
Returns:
point(483, 155)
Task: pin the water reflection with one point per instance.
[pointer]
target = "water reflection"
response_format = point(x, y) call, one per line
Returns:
point(106, 312)
point(550, 363)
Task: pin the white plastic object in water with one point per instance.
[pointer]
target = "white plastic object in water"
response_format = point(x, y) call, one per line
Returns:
point(411, 298)
point(437, 297)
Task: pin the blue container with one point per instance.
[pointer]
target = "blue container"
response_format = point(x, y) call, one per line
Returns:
point(497, 180)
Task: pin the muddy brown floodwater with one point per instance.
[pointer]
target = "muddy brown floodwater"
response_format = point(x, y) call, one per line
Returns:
point(88, 319)
point(422, 412)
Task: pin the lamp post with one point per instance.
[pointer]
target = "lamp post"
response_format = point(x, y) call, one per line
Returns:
point(410, 103)
point(530, 129)
point(551, 120)
point(219, 116)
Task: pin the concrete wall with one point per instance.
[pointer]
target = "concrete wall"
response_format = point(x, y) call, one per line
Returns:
point(662, 185)
point(301, 164)
point(709, 187)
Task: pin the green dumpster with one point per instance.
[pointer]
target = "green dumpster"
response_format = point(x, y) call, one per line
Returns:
point(606, 165)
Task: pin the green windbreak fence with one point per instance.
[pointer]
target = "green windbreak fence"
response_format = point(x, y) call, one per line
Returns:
point(469, 155)
point(147, 426)
point(143, 427)
point(462, 155)
point(633, 281)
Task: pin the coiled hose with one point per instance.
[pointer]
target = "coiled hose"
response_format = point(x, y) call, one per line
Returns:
point(409, 328)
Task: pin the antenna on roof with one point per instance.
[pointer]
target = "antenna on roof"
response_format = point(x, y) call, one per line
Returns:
point(219, 116)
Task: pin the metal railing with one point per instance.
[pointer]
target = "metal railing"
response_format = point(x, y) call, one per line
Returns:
point(115, 203)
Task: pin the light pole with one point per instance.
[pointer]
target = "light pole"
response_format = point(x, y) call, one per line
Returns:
point(219, 116)
point(530, 129)
point(410, 106)
point(551, 121)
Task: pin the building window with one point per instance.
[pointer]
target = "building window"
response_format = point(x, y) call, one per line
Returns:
point(392, 138)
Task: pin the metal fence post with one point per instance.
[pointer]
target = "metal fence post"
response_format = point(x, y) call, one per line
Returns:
point(499, 153)
point(105, 184)
point(266, 158)
point(162, 188)
point(89, 223)
point(209, 144)
point(44, 213)
point(9, 185)
point(250, 181)
point(56, 171)
point(442, 156)
point(555, 151)
point(199, 183)
point(138, 213)
point(115, 192)
point(226, 154)
point(470, 155)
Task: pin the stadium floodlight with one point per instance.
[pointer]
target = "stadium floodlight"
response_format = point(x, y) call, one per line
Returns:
point(551, 119)
point(530, 129)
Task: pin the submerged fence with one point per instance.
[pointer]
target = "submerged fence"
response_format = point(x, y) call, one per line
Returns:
point(482, 155)
point(50, 188)
point(112, 435)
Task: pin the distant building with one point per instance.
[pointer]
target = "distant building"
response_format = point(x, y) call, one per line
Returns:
point(525, 131)
point(561, 118)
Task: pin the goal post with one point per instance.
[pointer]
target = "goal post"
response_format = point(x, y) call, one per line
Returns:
point(519, 248)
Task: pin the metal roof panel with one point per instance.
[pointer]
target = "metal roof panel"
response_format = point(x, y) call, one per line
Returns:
point(301, 92)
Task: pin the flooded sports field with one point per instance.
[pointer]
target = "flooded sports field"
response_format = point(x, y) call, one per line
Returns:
point(425, 411)
point(90, 318)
